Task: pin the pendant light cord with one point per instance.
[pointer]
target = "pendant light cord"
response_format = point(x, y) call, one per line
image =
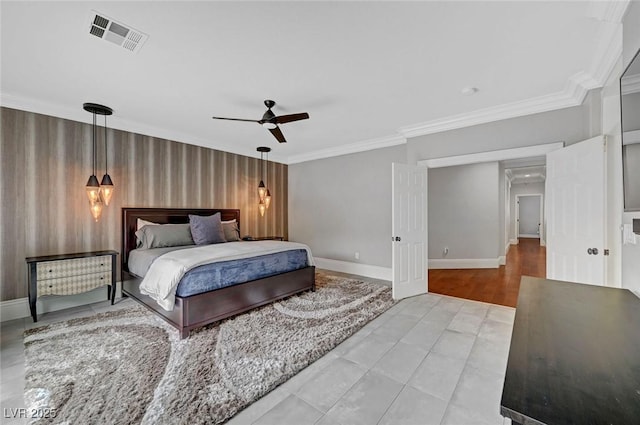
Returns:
point(105, 145)
point(94, 143)
point(266, 176)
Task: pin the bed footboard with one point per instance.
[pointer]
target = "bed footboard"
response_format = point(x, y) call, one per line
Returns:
point(199, 310)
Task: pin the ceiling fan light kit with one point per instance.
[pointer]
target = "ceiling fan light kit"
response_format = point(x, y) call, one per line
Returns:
point(270, 120)
point(269, 125)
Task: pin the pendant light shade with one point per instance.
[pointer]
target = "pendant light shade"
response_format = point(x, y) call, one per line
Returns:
point(267, 199)
point(262, 190)
point(93, 189)
point(96, 209)
point(106, 187)
point(99, 194)
point(262, 207)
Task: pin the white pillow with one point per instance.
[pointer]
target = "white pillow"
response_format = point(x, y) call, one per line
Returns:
point(141, 223)
point(229, 221)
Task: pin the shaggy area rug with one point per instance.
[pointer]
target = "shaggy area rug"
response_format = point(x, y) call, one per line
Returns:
point(128, 366)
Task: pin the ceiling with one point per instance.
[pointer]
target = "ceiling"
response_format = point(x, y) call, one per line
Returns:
point(526, 170)
point(370, 74)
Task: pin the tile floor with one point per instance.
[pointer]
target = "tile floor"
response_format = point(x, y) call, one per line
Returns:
point(430, 359)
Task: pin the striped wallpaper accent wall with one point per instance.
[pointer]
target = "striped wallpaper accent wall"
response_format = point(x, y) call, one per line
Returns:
point(46, 162)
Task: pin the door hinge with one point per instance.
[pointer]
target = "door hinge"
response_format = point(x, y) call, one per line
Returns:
point(606, 252)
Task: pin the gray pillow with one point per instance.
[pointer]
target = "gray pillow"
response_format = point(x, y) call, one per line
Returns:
point(206, 230)
point(164, 235)
point(231, 231)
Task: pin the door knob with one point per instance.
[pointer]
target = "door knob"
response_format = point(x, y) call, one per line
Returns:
point(592, 251)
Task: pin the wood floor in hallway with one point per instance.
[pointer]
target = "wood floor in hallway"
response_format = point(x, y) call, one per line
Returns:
point(496, 286)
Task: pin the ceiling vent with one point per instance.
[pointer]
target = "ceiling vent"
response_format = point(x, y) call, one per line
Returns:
point(115, 32)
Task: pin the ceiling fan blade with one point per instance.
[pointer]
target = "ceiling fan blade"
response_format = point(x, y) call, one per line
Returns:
point(292, 117)
point(278, 134)
point(234, 119)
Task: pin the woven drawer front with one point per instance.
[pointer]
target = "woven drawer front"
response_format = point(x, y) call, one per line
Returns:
point(73, 284)
point(73, 267)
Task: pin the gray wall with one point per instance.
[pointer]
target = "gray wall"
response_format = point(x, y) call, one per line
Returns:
point(570, 125)
point(521, 189)
point(592, 110)
point(630, 112)
point(501, 210)
point(342, 205)
point(529, 217)
point(566, 125)
point(631, 176)
point(464, 211)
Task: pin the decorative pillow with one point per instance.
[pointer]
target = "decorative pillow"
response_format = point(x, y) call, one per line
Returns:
point(206, 230)
point(231, 231)
point(164, 235)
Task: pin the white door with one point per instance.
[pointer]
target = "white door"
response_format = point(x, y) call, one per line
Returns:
point(409, 227)
point(529, 216)
point(575, 188)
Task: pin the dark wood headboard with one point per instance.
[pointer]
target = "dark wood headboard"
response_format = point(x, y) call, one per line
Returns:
point(161, 216)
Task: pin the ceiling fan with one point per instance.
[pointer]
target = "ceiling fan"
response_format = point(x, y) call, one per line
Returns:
point(270, 121)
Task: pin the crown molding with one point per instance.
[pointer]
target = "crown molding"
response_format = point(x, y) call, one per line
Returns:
point(631, 84)
point(631, 137)
point(508, 174)
point(367, 145)
point(118, 123)
point(608, 52)
point(545, 103)
point(609, 11)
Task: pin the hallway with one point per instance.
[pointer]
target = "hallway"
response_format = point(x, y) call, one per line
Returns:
point(495, 286)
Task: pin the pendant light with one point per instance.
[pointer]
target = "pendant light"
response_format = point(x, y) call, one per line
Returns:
point(106, 185)
point(263, 192)
point(267, 198)
point(93, 189)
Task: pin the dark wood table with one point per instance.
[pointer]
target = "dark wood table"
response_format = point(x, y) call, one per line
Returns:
point(574, 356)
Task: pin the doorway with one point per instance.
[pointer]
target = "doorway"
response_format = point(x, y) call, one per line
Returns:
point(483, 260)
point(529, 210)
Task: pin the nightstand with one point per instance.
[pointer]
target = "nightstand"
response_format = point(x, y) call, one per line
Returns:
point(269, 238)
point(70, 274)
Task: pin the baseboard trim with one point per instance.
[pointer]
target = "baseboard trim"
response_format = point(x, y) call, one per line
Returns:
point(19, 308)
point(367, 270)
point(502, 260)
point(513, 241)
point(461, 263)
point(529, 235)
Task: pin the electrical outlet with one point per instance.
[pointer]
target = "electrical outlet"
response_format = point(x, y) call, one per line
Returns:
point(445, 251)
point(357, 255)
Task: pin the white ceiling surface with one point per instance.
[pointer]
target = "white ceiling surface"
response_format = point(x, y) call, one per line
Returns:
point(526, 170)
point(368, 73)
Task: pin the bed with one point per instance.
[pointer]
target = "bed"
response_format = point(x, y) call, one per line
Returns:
point(194, 311)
